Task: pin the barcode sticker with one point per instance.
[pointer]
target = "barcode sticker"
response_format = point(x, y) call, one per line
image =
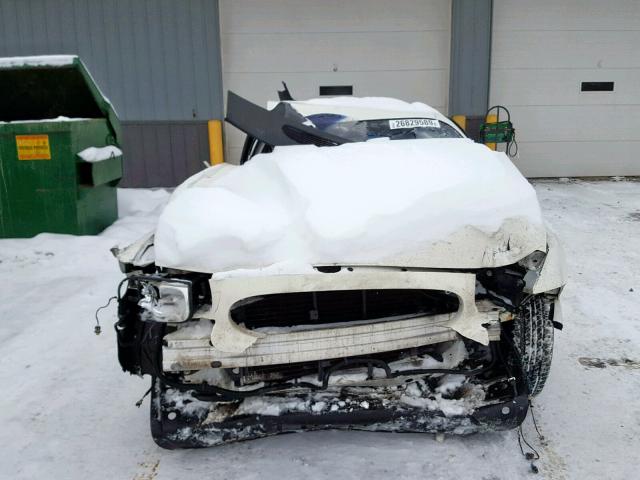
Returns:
point(413, 123)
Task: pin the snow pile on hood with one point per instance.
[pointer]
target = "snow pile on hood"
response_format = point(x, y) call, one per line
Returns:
point(360, 203)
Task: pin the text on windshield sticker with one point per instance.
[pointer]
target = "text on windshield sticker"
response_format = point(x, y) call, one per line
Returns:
point(413, 123)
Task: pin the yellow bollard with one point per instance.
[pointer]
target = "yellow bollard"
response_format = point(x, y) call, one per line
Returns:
point(216, 153)
point(492, 118)
point(461, 121)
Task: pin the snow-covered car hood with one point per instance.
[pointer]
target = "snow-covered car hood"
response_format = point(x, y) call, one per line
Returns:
point(433, 203)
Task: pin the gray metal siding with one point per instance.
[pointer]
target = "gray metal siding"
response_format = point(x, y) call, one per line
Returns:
point(163, 154)
point(470, 56)
point(155, 59)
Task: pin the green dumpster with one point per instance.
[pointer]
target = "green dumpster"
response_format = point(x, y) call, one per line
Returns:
point(59, 155)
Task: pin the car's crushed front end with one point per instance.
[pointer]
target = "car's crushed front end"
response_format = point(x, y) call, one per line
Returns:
point(384, 348)
point(397, 285)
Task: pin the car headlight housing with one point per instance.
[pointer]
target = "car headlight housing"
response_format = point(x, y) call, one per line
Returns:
point(166, 300)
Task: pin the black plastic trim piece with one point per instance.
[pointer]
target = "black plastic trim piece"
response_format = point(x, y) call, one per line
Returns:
point(278, 127)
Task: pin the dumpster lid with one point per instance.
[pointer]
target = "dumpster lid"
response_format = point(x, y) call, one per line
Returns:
point(50, 87)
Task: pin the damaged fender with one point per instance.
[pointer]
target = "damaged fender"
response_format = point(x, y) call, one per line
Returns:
point(553, 274)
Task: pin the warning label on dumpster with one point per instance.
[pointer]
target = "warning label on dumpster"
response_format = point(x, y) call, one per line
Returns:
point(33, 147)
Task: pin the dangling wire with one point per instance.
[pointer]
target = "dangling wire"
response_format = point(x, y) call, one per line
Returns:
point(139, 402)
point(97, 330)
point(535, 424)
point(533, 455)
point(512, 144)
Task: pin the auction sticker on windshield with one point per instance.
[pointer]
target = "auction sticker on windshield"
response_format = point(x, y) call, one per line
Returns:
point(413, 123)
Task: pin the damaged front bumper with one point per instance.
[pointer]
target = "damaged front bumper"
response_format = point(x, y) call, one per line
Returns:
point(219, 376)
point(179, 420)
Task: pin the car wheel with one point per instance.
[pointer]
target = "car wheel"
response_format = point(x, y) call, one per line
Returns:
point(533, 341)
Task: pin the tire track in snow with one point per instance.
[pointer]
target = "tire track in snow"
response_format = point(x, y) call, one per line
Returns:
point(148, 470)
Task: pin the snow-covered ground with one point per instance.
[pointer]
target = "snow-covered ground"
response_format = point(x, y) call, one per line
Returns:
point(67, 411)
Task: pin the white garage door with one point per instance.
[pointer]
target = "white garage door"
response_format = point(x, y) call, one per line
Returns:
point(394, 48)
point(542, 52)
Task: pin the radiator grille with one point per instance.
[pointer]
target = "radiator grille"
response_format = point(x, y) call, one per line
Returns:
point(340, 306)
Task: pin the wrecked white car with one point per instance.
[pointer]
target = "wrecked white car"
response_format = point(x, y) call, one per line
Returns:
point(365, 267)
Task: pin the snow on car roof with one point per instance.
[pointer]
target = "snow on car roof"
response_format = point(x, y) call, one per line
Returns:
point(37, 61)
point(365, 108)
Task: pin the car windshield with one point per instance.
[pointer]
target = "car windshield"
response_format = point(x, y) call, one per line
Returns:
point(394, 129)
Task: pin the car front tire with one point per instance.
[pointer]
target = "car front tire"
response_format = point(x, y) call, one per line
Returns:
point(533, 341)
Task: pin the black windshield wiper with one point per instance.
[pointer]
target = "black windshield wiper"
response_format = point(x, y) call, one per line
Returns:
point(403, 134)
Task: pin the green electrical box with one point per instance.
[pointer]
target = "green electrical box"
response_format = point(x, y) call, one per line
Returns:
point(498, 132)
point(51, 179)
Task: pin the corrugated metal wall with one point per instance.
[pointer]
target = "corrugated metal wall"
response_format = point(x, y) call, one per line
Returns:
point(470, 57)
point(169, 151)
point(157, 60)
